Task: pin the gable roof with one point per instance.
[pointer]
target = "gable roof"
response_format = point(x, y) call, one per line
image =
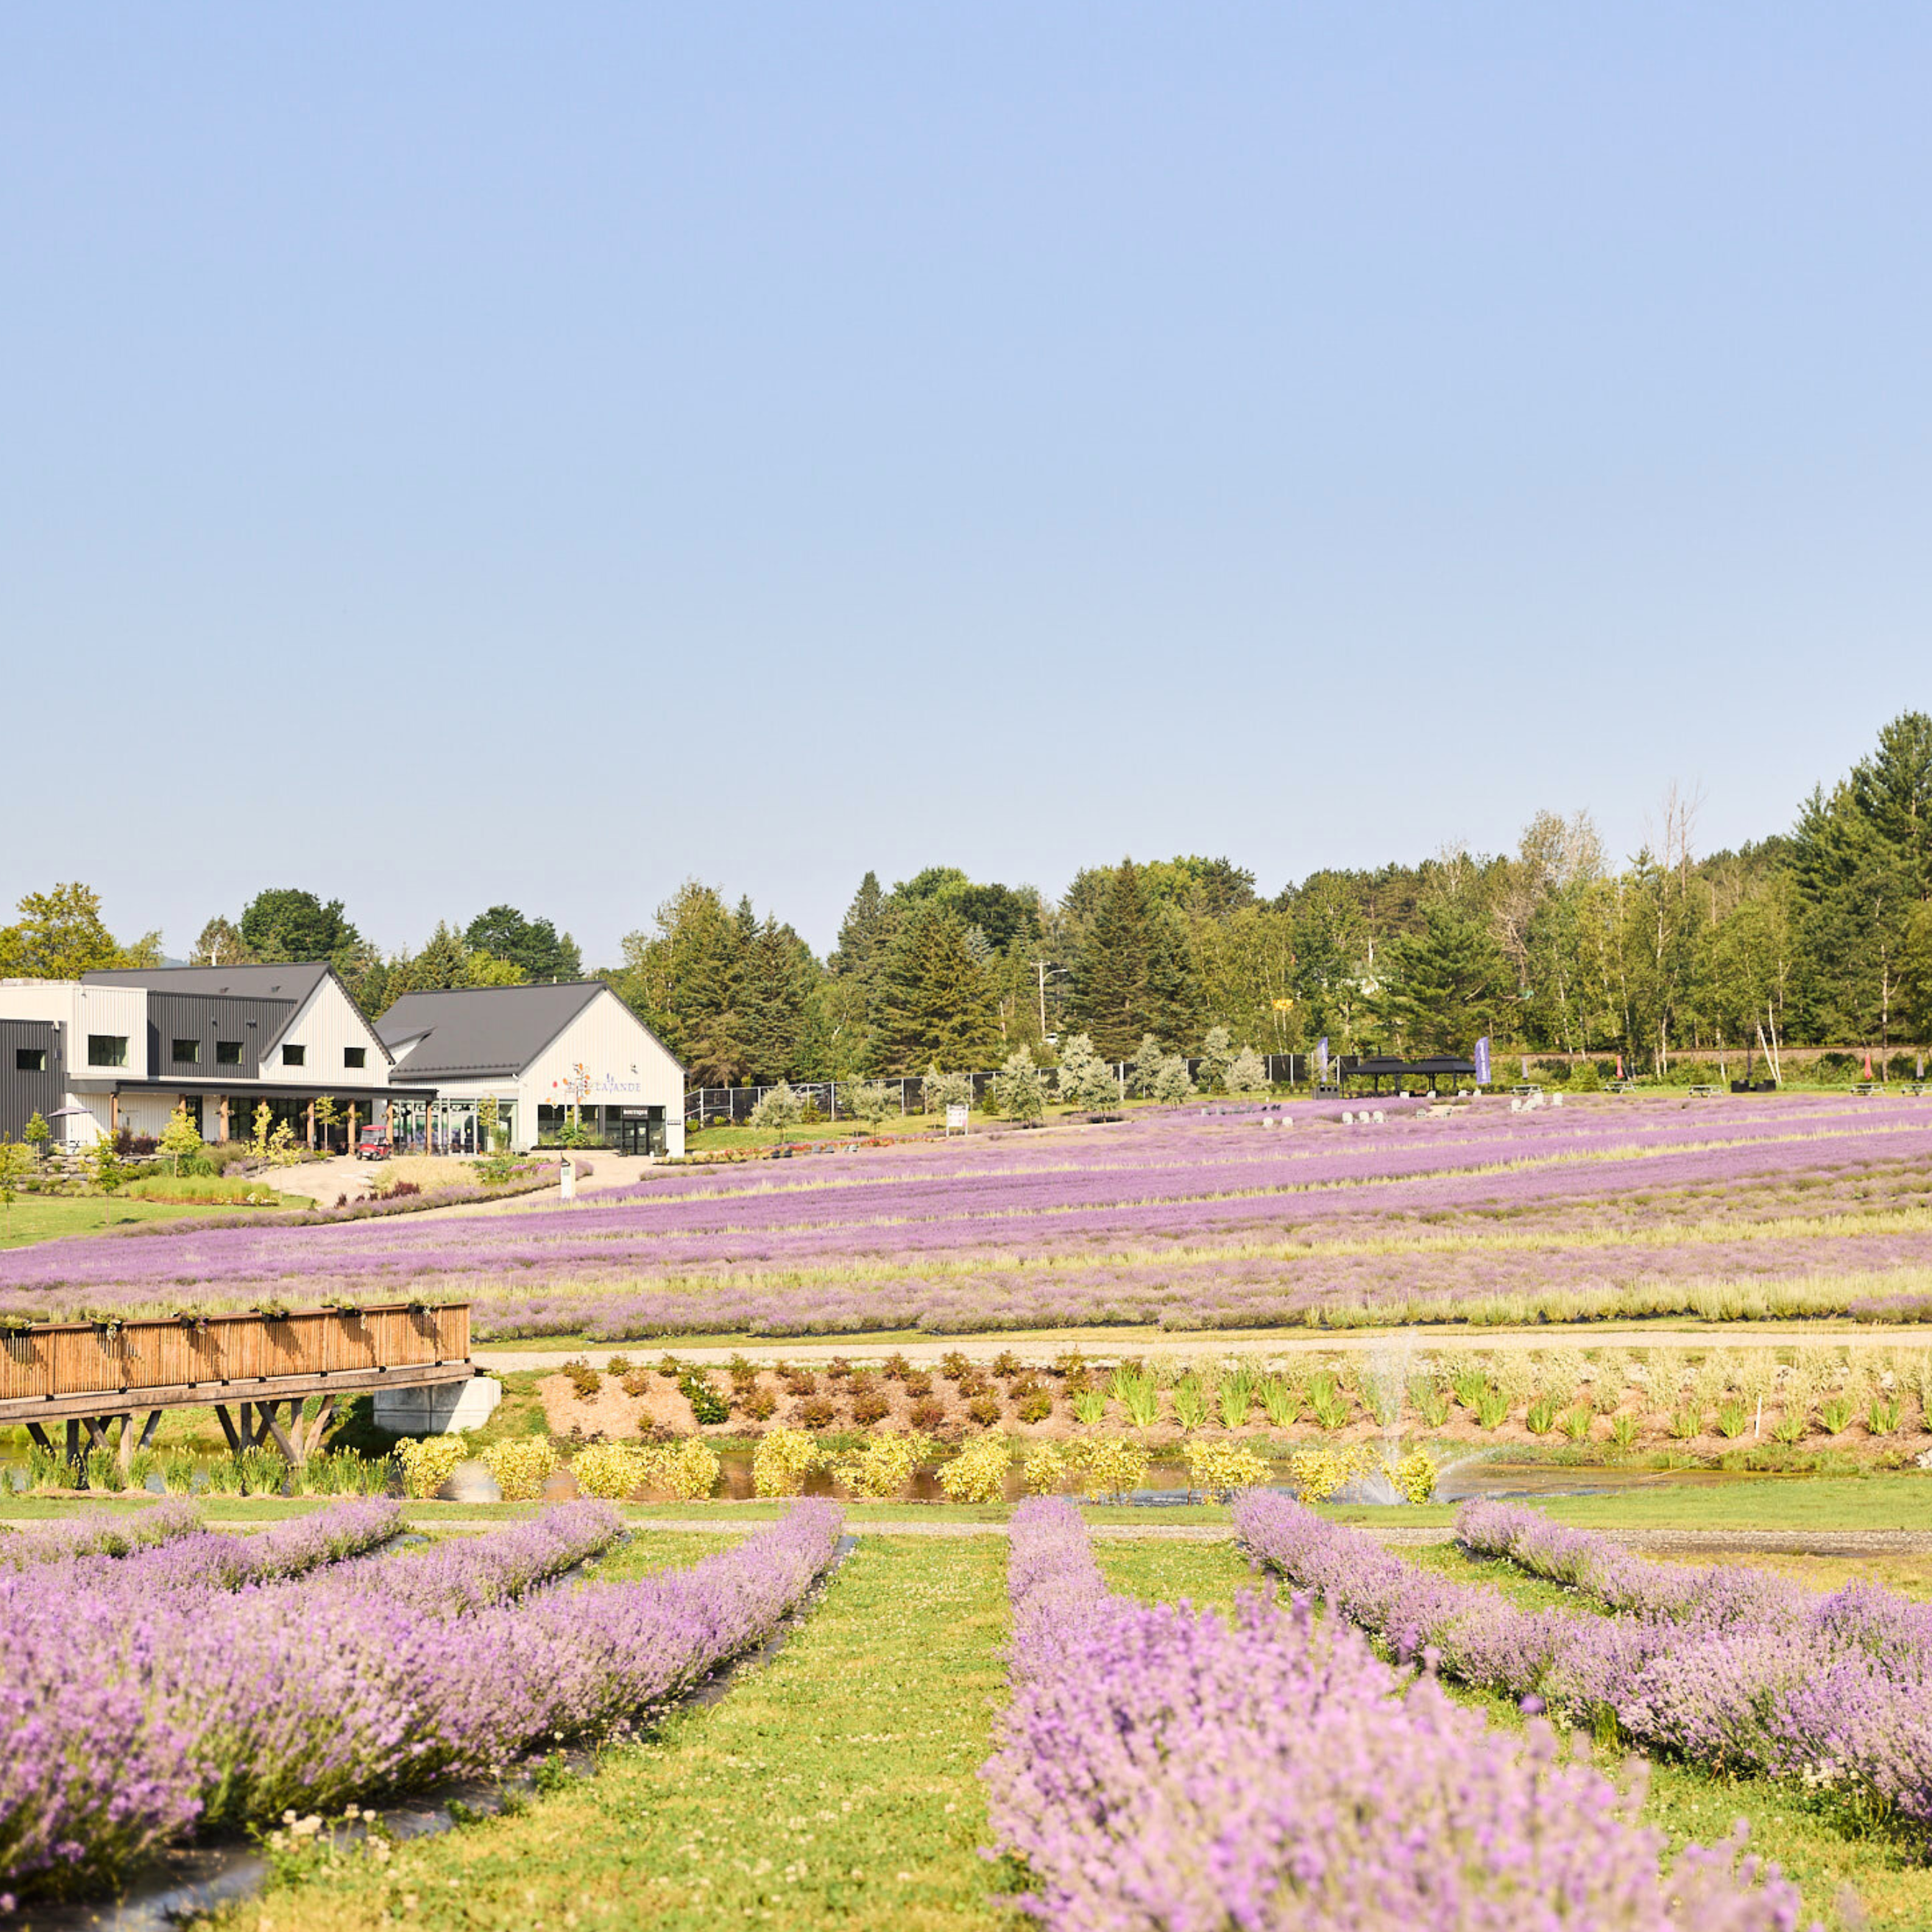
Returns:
point(294, 982)
point(473, 1031)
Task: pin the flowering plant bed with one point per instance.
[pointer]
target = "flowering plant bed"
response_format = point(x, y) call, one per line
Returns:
point(1162, 1767)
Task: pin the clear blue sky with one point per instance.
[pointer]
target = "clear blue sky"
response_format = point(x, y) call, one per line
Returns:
point(451, 454)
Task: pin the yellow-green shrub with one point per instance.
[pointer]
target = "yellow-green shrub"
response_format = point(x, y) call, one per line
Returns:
point(884, 1466)
point(1110, 1465)
point(611, 1470)
point(783, 1460)
point(978, 1474)
point(1221, 1468)
point(1042, 1472)
point(686, 1471)
point(428, 1461)
point(1414, 1475)
point(1319, 1473)
point(520, 1465)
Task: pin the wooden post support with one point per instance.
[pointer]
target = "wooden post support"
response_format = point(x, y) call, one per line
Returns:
point(272, 1423)
point(74, 1438)
point(227, 1421)
point(352, 1126)
point(306, 1434)
point(310, 1128)
point(223, 1134)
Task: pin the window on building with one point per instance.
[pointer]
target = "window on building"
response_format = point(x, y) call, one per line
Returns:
point(294, 1056)
point(228, 1053)
point(355, 1056)
point(30, 1059)
point(107, 1049)
point(187, 1052)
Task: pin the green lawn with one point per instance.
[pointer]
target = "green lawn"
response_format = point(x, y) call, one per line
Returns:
point(834, 1787)
point(47, 1217)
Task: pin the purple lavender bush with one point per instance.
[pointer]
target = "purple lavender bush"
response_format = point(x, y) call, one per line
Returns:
point(134, 1718)
point(1738, 1684)
point(1161, 1767)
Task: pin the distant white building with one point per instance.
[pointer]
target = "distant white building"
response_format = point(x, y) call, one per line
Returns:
point(121, 1050)
point(536, 1052)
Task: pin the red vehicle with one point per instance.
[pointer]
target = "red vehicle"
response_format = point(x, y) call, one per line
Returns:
point(372, 1143)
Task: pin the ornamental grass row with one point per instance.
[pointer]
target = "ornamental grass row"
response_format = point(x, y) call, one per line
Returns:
point(1807, 1700)
point(1161, 1767)
point(132, 1720)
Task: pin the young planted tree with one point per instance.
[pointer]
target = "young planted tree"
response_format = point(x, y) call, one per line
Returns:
point(778, 1111)
point(870, 1101)
point(1173, 1086)
point(181, 1139)
point(327, 1112)
point(1145, 1069)
point(36, 1134)
point(1247, 1073)
point(1217, 1057)
point(1018, 1089)
point(16, 1162)
point(937, 1091)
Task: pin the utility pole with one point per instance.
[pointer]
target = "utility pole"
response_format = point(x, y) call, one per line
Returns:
point(1043, 968)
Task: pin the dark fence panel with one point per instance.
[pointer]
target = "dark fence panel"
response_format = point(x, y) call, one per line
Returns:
point(713, 1106)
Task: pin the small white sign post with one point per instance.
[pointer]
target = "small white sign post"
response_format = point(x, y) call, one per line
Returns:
point(567, 1178)
point(957, 1118)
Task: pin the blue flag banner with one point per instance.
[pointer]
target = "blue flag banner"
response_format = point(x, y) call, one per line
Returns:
point(1483, 1061)
point(1321, 1057)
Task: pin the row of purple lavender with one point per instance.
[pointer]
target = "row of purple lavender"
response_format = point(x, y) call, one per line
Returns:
point(1160, 1767)
point(144, 1698)
point(1733, 1673)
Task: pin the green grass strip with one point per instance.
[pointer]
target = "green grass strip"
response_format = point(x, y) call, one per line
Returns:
point(835, 1786)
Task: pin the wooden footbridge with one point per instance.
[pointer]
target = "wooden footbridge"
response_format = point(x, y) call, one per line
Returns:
point(257, 1372)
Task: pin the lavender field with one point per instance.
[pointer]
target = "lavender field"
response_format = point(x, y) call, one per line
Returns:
point(1164, 1766)
point(1733, 1208)
point(186, 1682)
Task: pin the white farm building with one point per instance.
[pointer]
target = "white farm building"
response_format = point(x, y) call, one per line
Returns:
point(537, 1052)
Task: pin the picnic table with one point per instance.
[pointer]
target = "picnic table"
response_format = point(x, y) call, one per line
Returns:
point(1703, 1091)
point(1864, 1089)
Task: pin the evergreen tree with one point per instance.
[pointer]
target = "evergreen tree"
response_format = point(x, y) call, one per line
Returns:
point(776, 973)
point(865, 934)
point(534, 944)
point(1445, 984)
point(933, 1002)
point(1111, 1002)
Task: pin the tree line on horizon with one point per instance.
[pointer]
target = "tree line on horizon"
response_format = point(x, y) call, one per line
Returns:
point(1822, 934)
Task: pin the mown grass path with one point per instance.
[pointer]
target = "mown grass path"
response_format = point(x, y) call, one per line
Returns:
point(835, 1786)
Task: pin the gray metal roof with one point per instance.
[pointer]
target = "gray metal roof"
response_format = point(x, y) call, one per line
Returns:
point(473, 1031)
point(294, 981)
